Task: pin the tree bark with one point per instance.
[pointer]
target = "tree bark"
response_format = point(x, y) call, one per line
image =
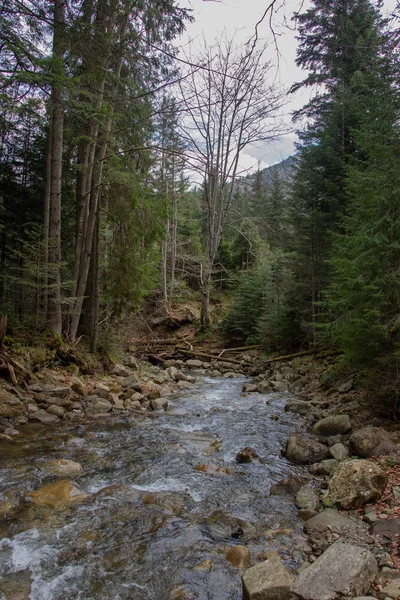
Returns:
point(55, 180)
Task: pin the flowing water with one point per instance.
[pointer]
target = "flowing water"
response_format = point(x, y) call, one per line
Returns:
point(168, 501)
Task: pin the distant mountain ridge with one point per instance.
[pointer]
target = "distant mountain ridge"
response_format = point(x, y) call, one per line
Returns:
point(285, 169)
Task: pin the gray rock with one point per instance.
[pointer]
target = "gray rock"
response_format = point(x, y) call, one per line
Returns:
point(342, 570)
point(100, 406)
point(347, 386)
point(355, 483)
point(121, 371)
point(43, 417)
point(78, 387)
point(269, 580)
point(304, 451)
point(287, 487)
point(159, 404)
point(264, 387)
point(323, 468)
point(249, 388)
point(302, 407)
point(339, 452)
point(194, 363)
point(392, 590)
point(131, 383)
point(371, 441)
point(329, 520)
point(307, 498)
point(184, 385)
point(59, 411)
point(387, 528)
point(51, 389)
point(333, 425)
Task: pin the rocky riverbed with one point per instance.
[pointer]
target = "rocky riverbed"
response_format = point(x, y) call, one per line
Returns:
point(191, 482)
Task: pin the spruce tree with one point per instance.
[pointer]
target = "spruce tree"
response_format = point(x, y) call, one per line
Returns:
point(340, 45)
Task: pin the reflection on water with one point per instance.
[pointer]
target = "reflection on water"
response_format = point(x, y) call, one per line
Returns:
point(169, 500)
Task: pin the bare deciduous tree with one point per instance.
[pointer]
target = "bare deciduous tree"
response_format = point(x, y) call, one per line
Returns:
point(229, 105)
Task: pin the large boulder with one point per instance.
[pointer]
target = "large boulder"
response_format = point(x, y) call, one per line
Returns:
point(60, 493)
point(371, 441)
point(342, 570)
point(333, 425)
point(305, 451)
point(355, 483)
point(269, 580)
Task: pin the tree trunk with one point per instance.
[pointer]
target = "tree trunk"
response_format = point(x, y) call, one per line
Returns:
point(173, 231)
point(56, 132)
point(205, 297)
point(93, 195)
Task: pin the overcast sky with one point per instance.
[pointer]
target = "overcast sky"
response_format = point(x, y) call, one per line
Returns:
point(239, 17)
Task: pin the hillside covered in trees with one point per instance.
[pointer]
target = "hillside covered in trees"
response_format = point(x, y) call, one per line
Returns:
point(120, 179)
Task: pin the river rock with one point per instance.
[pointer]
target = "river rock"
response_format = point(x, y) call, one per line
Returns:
point(78, 387)
point(269, 580)
point(356, 482)
point(194, 363)
point(6, 508)
point(159, 404)
point(304, 451)
point(264, 387)
point(151, 390)
point(387, 528)
point(43, 417)
point(62, 466)
point(287, 487)
point(238, 556)
point(345, 387)
point(246, 455)
point(131, 383)
point(371, 441)
point(59, 493)
point(324, 468)
point(392, 590)
point(51, 389)
point(302, 407)
point(184, 385)
point(59, 411)
point(10, 405)
point(339, 452)
point(329, 520)
point(333, 425)
point(342, 570)
point(249, 388)
point(121, 371)
point(99, 406)
point(307, 498)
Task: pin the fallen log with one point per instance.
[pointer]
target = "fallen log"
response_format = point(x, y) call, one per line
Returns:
point(240, 348)
point(317, 353)
point(205, 355)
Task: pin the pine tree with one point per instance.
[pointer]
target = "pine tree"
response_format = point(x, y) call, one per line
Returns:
point(364, 295)
point(340, 45)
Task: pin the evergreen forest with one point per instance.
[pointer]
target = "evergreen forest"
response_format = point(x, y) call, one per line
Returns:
point(121, 182)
